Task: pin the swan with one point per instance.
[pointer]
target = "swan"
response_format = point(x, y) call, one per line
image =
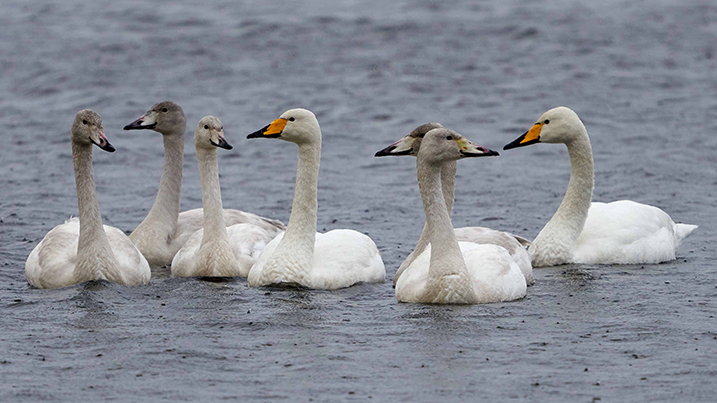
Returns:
point(82, 249)
point(582, 231)
point(336, 259)
point(516, 245)
point(448, 271)
point(165, 230)
point(217, 250)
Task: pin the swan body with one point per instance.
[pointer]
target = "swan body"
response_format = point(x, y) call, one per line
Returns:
point(503, 284)
point(217, 250)
point(626, 232)
point(621, 232)
point(341, 258)
point(82, 249)
point(165, 230)
point(336, 259)
point(515, 245)
point(448, 271)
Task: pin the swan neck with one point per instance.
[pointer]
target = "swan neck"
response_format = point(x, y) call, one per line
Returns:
point(446, 256)
point(448, 181)
point(165, 209)
point(214, 228)
point(564, 228)
point(93, 241)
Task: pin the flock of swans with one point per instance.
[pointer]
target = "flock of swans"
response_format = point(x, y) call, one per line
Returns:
point(448, 266)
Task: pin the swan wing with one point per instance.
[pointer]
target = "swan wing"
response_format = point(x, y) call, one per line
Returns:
point(512, 243)
point(183, 262)
point(495, 274)
point(247, 242)
point(133, 267)
point(51, 263)
point(191, 221)
point(627, 232)
point(345, 257)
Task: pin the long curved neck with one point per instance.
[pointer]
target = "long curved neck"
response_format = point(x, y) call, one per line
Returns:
point(567, 223)
point(165, 210)
point(94, 252)
point(448, 181)
point(214, 228)
point(301, 229)
point(446, 257)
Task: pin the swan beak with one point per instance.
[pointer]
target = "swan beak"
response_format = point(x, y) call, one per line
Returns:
point(102, 142)
point(469, 149)
point(147, 121)
point(401, 147)
point(221, 142)
point(532, 136)
point(270, 131)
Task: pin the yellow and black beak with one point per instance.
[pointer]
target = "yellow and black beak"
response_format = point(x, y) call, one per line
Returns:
point(532, 136)
point(270, 131)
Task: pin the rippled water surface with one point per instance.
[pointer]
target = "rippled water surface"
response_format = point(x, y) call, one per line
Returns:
point(640, 74)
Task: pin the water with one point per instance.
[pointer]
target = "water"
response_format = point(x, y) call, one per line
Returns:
point(640, 74)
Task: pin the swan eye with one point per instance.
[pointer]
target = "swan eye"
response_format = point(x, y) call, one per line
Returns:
point(546, 121)
point(84, 122)
point(449, 138)
point(206, 127)
point(164, 109)
point(291, 119)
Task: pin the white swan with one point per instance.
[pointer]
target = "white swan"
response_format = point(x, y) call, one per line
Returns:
point(516, 246)
point(336, 259)
point(217, 250)
point(83, 249)
point(621, 232)
point(165, 230)
point(448, 271)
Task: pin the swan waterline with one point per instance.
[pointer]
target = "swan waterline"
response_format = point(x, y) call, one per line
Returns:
point(449, 271)
point(82, 249)
point(165, 230)
point(583, 231)
point(410, 145)
point(336, 259)
point(217, 250)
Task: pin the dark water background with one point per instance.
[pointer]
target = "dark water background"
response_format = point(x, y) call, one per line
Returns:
point(641, 74)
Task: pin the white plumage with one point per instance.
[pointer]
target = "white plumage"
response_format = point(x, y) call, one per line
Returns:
point(217, 250)
point(621, 232)
point(448, 271)
point(82, 249)
point(336, 259)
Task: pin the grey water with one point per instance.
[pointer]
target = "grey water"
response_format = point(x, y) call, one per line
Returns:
point(641, 74)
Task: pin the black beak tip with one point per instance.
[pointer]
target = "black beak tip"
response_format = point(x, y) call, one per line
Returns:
point(109, 148)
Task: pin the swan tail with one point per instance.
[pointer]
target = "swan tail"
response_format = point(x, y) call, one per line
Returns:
point(523, 241)
point(682, 231)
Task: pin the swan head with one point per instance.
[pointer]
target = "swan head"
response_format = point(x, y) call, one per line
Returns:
point(87, 130)
point(165, 117)
point(210, 134)
point(295, 125)
point(558, 125)
point(441, 145)
point(410, 144)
